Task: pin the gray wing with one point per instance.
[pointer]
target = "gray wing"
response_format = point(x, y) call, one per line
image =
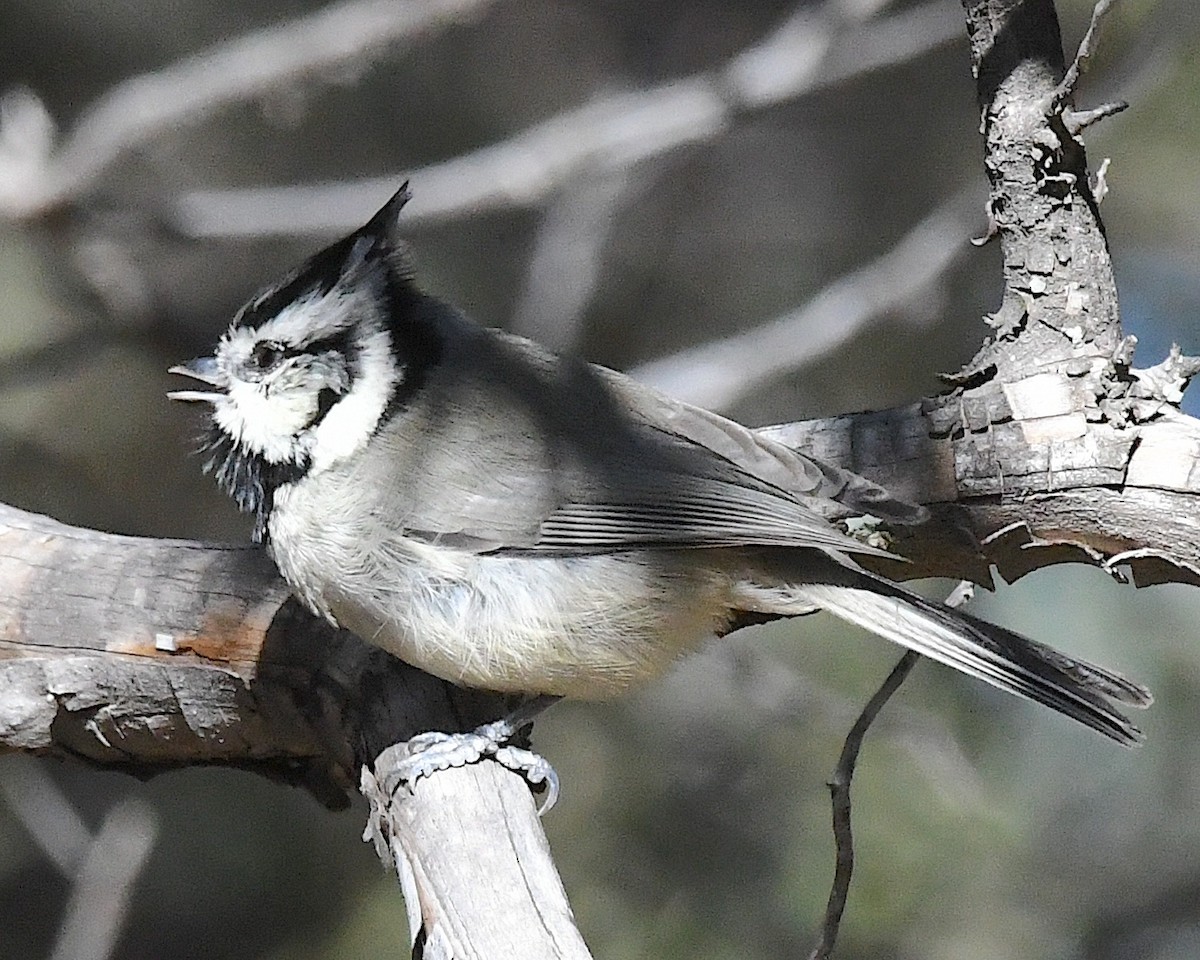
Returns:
point(828, 488)
point(670, 511)
point(506, 447)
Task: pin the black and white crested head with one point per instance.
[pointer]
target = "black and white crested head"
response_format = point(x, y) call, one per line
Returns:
point(307, 370)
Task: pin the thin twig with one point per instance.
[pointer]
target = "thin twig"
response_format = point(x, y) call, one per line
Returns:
point(839, 787)
point(839, 790)
point(1066, 87)
point(1079, 120)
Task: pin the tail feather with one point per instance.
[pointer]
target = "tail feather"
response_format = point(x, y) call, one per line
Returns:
point(980, 649)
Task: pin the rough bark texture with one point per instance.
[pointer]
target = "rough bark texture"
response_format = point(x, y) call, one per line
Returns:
point(1059, 311)
point(145, 655)
point(1037, 484)
point(477, 880)
point(1048, 446)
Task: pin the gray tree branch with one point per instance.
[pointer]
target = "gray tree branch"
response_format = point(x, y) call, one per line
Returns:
point(146, 655)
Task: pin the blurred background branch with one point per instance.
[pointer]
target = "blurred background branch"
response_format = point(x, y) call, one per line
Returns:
point(102, 868)
point(818, 46)
point(717, 374)
point(37, 174)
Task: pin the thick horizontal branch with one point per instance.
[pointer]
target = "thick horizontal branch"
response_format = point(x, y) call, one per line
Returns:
point(140, 653)
point(1031, 481)
point(145, 655)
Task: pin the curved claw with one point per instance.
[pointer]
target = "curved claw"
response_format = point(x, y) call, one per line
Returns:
point(434, 751)
point(535, 769)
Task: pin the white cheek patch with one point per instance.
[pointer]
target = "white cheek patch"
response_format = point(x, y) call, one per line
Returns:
point(274, 417)
point(348, 425)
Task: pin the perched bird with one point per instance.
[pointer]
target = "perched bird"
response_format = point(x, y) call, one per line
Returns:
point(509, 519)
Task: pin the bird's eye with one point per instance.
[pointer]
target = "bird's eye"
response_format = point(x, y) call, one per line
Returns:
point(266, 354)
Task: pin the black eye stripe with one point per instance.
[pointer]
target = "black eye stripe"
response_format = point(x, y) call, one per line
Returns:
point(266, 354)
point(325, 402)
point(341, 341)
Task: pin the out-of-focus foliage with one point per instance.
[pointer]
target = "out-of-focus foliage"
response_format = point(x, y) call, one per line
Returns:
point(694, 820)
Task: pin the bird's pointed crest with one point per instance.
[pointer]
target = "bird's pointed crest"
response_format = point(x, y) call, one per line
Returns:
point(380, 237)
point(384, 223)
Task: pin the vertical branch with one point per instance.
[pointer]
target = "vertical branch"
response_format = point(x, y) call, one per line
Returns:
point(1060, 306)
point(473, 862)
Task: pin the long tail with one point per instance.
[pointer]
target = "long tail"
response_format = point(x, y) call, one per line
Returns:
point(980, 649)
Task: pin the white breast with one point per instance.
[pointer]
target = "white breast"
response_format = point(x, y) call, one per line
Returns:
point(577, 626)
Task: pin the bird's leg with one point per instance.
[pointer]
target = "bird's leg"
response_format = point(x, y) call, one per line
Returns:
point(431, 752)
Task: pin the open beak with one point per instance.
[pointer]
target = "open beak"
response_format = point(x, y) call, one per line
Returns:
point(203, 369)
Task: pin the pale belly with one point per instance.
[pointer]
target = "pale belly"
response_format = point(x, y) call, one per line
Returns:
point(586, 627)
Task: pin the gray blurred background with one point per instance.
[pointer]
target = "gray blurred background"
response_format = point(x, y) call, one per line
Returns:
point(812, 213)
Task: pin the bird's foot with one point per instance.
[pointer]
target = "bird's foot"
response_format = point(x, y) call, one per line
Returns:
point(431, 752)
